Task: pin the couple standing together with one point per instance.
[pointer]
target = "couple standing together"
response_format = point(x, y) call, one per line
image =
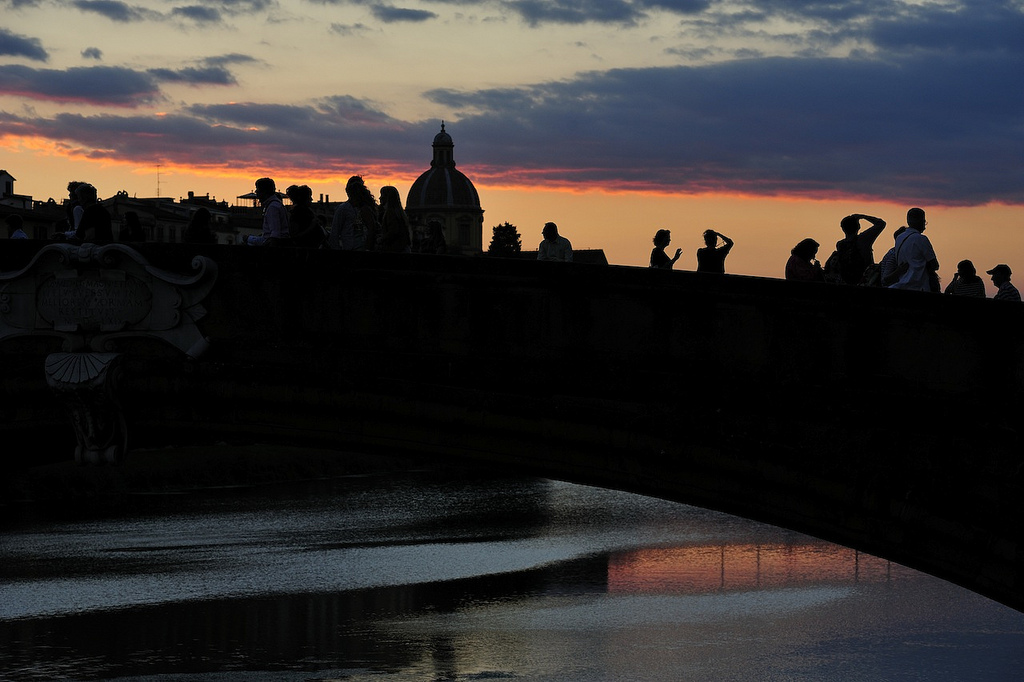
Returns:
point(710, 258)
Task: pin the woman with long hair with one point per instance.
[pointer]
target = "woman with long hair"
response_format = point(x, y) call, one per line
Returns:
point(802, 267)
point(355, 221)
point(198, 230)
point(396, 235)
point(302, 223)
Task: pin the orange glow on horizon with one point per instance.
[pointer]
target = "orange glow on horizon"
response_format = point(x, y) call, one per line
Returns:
point(621, 222)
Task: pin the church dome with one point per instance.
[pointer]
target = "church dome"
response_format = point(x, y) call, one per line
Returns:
point(442, 186)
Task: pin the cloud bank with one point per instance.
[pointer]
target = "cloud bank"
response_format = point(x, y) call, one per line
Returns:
point(923, 107)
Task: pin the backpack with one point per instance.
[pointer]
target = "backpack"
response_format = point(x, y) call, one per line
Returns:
point(846, 264)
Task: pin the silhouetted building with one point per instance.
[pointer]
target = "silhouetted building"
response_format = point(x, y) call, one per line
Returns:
point(7, 195)
point(444, 194)
point(592, 256)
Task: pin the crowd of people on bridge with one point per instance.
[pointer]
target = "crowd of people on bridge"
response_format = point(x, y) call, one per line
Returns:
point(362, 224)
point(910, 264)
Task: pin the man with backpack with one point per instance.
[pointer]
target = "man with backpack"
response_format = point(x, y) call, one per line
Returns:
point(853, 257)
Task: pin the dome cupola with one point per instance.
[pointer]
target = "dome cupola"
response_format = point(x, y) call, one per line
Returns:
point(444, 193)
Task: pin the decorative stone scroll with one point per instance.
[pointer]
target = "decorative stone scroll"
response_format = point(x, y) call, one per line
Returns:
point(89, 296)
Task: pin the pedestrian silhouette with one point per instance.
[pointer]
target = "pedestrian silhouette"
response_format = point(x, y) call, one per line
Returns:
point(354, 227)
point(131, 230)
point(888, 269)
point(434, 242)
point(15, 224)
point(853, 260)
point(275, 216)
point(198, 230)
point(914, 250)
point(73, 208)
point(554, 247)
point(711, 257)
point(303, 225)
point(660, 259)
point(966, 282)
point(1001, 278)
point(396, 234)
point(94, 225)
point(802, 266)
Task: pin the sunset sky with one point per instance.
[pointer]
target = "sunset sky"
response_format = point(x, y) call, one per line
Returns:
point(768, 121)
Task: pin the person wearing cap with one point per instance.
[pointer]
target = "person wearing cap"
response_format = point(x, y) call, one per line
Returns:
point(915, 257)
point(275, 216)
point(1001, 278)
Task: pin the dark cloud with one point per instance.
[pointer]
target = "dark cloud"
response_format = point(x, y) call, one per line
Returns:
point(348, 29)
point(115, 10)
point(211, 71)
point(21, 46)
point(244, 6)
point(233, 58)
point(389, 14)
point(536, 12)
point(94, 85)
point(678, 6)
point(917, 130)
point(92, 53)
point(832, 11)
point(974, 28)
point(200, 14)
point(338, 134)
point(932, 119)
point(19, 4)
point(210, 75)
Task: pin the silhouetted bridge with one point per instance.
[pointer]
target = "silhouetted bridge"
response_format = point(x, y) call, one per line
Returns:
point(885, 421)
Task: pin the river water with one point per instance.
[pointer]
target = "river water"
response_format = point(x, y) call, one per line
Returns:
point(415, 576)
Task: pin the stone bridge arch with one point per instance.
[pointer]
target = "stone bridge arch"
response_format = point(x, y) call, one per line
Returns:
point(885, 421)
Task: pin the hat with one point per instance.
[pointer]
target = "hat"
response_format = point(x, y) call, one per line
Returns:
point(1001, 269)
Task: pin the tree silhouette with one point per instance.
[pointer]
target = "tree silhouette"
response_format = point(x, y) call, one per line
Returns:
point(506, 241)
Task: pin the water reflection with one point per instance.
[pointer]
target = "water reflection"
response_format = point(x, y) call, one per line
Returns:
point(731, 567)
point(417, 577)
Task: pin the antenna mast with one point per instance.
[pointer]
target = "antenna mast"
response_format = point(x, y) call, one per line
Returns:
point(158, 181)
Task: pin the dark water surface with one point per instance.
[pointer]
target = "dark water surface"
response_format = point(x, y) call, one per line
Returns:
point(414, 576)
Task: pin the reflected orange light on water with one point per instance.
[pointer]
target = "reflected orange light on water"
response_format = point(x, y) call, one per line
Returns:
point(720, 568)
